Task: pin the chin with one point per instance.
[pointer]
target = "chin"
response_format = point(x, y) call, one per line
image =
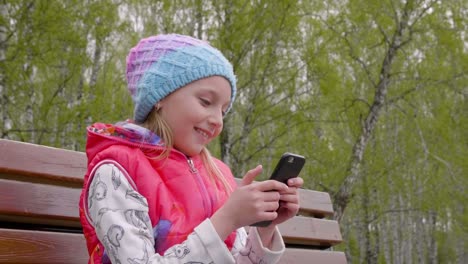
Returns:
point(193, 152)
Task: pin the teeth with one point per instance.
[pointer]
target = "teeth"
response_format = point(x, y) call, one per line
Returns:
point(202, 133)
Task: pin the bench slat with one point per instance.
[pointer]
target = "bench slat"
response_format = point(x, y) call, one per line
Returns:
point(299, 231)
point(24, 246)
point(297, 256)
point(39, 203)
point(51, 204)
point(30, 159)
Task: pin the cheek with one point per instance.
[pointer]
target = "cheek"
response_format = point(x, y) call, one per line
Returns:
point(220, 129)
point(179, 126)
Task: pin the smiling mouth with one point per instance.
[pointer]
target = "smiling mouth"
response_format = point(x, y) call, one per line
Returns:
point(203, 133)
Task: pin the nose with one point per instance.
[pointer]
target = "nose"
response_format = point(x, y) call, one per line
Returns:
point(216, 119)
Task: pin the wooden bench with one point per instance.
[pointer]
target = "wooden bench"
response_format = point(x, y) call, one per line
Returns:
point(39, 222)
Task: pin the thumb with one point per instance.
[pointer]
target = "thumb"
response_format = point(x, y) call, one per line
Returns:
point(250, 175)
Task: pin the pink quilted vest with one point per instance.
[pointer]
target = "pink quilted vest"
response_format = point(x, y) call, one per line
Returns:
point(178, 190)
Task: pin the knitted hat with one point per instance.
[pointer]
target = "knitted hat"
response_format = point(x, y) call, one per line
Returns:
point(159, 65)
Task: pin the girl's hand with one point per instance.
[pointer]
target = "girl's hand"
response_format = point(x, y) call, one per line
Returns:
point(288, 208)
point(251, 202)
point(289, 201)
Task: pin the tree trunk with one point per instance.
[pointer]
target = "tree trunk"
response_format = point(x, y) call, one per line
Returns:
point(407, 231)
point(419, 236)
point(5, 124)
point(347, 230)
point(199, 19)
point(395, 228)
point(367, 247)
point(226, 135)
point(385, 242)
point(225, 139)
point(353, 174)
point(461, 249)
point(375, 247)
point(29, 72)
point(432, 247)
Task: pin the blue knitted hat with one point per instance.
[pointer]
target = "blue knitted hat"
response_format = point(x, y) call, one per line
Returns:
point(161, 64)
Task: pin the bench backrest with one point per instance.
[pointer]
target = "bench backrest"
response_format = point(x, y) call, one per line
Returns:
point(39, 222)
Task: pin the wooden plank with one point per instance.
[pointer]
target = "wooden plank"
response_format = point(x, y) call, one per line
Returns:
point(39, 203)
point(31, 159)
point(302, 230)
point(25, 246)
point(70, 166)
point(296, 256)
point(22, 246)
point(314, 203)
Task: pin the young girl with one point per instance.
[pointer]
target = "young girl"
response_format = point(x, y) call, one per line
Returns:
point(152, 191)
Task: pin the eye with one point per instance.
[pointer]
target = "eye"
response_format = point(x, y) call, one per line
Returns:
point(205, 101)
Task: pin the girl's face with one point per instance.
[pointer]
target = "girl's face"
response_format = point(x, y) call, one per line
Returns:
point(195, 113)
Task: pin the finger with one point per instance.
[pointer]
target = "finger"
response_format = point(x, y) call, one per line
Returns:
point(250, 175)
point(296, 182)
point(268, 215)
point(271, 196)
point(291, 208)
point(289, 198)
point(290, 190)
point(270, 185)
point(271, 206)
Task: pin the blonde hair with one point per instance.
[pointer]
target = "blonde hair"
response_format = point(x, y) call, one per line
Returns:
point(158, 125)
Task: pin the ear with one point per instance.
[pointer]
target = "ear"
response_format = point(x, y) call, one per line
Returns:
point(157, 106)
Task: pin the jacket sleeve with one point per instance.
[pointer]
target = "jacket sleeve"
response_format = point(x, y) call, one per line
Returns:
point(248, 248)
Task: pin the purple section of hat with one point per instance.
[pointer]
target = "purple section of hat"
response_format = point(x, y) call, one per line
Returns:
point(149, 50)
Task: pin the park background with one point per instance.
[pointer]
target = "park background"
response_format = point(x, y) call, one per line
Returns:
point(372, 92)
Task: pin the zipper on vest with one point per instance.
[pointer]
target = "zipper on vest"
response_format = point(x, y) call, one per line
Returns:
point(192, 166)
point(201, 185)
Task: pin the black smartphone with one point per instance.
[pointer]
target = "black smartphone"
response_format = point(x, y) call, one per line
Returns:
point(289, 166)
